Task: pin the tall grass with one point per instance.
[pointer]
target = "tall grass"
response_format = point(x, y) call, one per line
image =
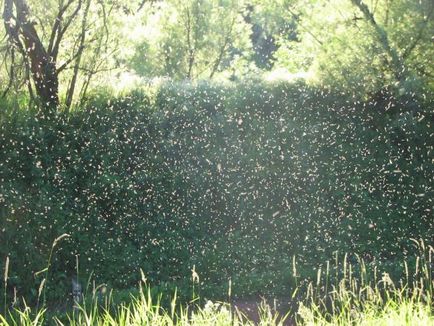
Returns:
point(367, 298)
point(5, 282)
point(344, 293)
point(145, 310)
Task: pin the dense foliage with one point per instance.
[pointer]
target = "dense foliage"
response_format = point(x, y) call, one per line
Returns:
point(228, 148)
point(231, 180)
point(355, 46)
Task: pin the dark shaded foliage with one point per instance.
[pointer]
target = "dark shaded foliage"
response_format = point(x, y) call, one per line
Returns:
point(232, 180)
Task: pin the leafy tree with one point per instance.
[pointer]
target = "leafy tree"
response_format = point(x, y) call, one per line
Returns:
point(41, 60)
point(360, 46)
point(61, 45)
point(193, 39)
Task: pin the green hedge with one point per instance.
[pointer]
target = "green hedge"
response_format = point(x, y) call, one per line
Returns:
point(234, 180)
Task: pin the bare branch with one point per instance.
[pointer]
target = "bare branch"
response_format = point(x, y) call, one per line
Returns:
point(71, 59)
point(71, 89)
point(56, 26)
point(62, 30)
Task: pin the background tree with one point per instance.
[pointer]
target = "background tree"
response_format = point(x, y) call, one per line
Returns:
point(77, 46)
point(361, 46)
point(193, 39)
point(42, 61)
point(61, 44)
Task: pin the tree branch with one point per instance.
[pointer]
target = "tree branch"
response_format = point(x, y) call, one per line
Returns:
point(71, 59)
point(62, 30)
point(11, 73)
point(71, 89)
point(398, 67)
point(417, 39)
point(42, 68)
point(222, 49)
point(57, 24)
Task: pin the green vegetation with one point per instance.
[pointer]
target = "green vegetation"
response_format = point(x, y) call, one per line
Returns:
point(360, 48)
point(364, 297)
point(235, 181)
point(354, 294)
point(222, 150)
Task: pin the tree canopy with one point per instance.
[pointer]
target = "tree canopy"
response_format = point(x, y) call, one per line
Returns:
point(73, 46)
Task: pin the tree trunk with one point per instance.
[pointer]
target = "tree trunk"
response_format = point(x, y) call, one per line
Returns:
point(42, 67)
point(23, 34)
